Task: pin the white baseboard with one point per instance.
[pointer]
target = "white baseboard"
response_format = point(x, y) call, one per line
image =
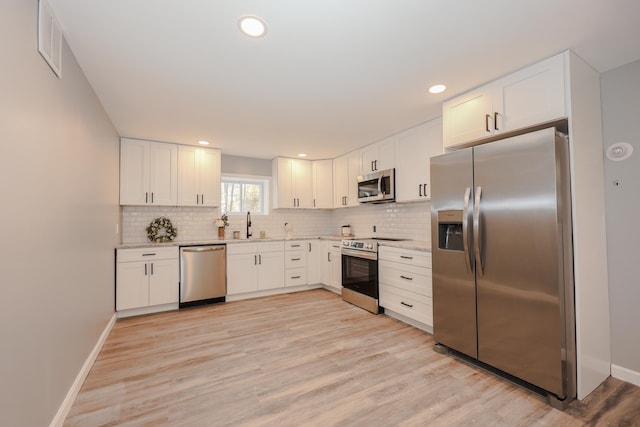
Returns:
point(270, 292)
point(64, 409)
point(416, 324)
point(625, 374)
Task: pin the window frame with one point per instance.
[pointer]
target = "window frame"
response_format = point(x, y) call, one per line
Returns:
point(265, 181)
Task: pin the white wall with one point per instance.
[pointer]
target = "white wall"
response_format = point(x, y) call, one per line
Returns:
point(59, 189)
point(621, 120)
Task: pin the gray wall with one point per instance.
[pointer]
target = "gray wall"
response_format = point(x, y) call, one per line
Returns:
point(245, 166)
point(621, 119)
point(59, 190)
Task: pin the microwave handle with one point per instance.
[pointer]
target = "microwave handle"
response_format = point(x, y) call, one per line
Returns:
point(380, 186)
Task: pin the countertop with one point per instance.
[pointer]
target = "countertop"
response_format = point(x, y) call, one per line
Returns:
point(419, 245)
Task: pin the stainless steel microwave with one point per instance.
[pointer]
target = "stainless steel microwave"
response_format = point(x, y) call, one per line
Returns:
point(377, 187)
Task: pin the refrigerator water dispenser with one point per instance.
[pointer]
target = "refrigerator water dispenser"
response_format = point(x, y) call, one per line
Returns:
point(450, 230)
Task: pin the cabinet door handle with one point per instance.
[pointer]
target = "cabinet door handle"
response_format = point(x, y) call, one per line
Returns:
point(309, 247)
point(202, 199)
point(495, 120)
point(406, 278)
point(486, 122)
point(314, 203)
point(295, 246)
point(146, 197)
point(406, 257)
point(152, 197)
point(295, 277)
point(149, 254)
point(406, 305)
point(255, 260)
point(295, 259)
point(420, 190)
point(260, 259)
point(329, 256)
point(425, 190)
point(152, 269)
point(145, 269)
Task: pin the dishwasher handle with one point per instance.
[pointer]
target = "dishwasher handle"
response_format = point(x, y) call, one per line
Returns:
point(204, 249)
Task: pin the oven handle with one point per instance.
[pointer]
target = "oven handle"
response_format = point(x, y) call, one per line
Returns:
point(360, 254)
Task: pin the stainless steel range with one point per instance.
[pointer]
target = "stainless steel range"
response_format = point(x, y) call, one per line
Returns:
point(360, 273)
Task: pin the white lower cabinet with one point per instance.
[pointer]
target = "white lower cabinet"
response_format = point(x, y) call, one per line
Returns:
point(255, 266)
point(332, 266)
point(405, 284)
point(314, 261)
point(295, 263)
point(146, 277)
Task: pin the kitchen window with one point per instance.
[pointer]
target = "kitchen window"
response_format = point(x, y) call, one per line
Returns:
point(242, 194)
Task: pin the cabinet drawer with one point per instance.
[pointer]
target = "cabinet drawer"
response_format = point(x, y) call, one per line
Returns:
point(295, 260)
point(408, 277)
point(405, 256)
point(296, 245)
point(242, 248)
point(295, 276)
point(147, 254)
point(414, 306)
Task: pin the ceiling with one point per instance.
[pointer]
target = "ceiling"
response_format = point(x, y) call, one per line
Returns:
point(330, 75)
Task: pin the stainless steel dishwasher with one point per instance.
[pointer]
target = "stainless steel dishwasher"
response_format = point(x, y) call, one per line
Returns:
point(203, 274)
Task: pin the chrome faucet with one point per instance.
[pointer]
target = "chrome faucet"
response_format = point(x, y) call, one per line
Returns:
point(249, 234)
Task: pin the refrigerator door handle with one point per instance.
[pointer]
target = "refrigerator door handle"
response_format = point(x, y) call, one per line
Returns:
point(477, 236)
point(465, 229)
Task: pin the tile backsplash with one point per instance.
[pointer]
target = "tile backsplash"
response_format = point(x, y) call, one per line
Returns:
point(398, 220)
point(408, 221)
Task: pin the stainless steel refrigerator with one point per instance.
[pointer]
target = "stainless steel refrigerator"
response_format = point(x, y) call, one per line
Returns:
point(502, 258)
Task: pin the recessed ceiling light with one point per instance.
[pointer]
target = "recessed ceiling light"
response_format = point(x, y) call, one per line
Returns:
point(203, 142)
point(437, 89)
point(302, 155)
point(252, 26)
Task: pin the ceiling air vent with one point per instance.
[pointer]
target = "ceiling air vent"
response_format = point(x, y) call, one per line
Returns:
point(50, 38)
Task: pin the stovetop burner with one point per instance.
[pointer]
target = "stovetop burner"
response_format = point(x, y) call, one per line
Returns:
point(387, 239)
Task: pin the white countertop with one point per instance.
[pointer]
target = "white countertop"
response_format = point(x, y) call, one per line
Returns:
point(223, 241)
point(418, 245)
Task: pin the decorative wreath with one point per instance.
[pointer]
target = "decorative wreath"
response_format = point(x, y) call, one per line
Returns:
point(158, 224)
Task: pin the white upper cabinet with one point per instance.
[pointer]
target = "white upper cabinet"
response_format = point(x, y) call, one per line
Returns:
point(530, 96)
point(323, 184)
point(533, 95)
point(198, 176)
point(293, 183)
point(148, 173)
point(378, 156)
point(346, 169)
point(414, 149)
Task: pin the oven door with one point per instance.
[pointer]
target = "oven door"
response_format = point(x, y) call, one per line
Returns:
point(360, 272)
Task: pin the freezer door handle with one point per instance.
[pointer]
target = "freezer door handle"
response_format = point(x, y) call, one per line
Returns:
point(465, 229)
point(477, 236)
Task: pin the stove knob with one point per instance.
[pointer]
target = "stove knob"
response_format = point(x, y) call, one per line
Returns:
point(369, 246)
point(345, 243)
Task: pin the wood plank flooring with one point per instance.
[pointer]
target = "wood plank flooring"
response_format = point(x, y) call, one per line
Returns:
point(308, 358)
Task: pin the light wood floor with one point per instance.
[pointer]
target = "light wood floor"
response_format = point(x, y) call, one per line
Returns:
point(308, 359)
